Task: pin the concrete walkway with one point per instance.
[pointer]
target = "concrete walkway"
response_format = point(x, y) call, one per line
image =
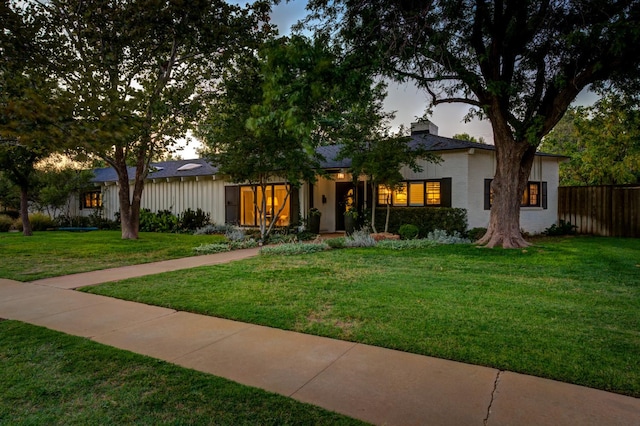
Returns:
point(380, 386)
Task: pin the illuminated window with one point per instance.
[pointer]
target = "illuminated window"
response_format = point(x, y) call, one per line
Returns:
point(276, 201)
point(416, 193)
point(384, 195)
point(433, 194)
point(400, 195)
point(531, 197)
point(92, 200)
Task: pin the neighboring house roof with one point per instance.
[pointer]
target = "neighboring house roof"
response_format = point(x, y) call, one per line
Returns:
point(162, 170)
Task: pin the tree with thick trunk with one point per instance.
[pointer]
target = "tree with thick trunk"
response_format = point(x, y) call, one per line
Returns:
point(136, 71)
point(518, 63)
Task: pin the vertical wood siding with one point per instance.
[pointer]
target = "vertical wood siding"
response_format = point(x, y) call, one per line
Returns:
point(175, 195)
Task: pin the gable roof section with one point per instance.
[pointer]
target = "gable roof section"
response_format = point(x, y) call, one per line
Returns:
point(162, 170)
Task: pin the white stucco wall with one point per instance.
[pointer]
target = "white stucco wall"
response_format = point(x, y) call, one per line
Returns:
point(532, 219)
point(468, 170)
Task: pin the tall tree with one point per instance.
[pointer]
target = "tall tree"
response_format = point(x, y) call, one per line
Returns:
point(518, 63)
point(602, 141)
point(136, 69)
point(33, 109)
point(276, 108)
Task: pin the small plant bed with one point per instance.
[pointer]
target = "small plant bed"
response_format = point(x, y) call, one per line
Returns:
point(51, 378)
point(565, 309)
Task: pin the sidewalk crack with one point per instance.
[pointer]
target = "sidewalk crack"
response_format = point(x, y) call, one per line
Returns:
point(493, 394)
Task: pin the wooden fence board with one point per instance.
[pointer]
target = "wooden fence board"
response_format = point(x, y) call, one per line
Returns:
point(606, 210)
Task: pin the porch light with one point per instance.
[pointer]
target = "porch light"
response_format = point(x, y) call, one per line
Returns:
point(341, 174)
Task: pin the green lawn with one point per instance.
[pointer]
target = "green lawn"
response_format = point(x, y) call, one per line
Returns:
point(54, 253)
point(566, 309)
point(51, 378)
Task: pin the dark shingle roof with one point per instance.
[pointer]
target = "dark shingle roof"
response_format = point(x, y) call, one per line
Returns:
point(170, 169)
point(162, 170)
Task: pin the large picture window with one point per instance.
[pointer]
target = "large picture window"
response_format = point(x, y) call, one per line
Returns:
point(252, 197)
point(432, 193)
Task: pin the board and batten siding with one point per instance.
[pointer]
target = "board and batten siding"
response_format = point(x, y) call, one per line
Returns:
point(175, 195)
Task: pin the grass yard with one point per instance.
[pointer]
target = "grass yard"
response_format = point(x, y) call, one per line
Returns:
point(566, 309)
point(52, 378)
point(54, 253)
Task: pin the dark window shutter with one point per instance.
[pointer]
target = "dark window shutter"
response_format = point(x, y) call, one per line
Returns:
point(544, 195)
point(445, 192)
point(487, 194)
point(232, 204)
point(294, 206)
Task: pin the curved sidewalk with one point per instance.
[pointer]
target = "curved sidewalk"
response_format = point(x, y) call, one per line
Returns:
point(377, 385)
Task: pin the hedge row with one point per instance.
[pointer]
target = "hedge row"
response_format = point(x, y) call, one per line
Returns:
point(427, 219)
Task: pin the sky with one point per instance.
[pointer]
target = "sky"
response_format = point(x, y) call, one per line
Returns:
point(405, 99)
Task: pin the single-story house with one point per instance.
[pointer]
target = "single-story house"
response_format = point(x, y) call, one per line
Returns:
point(462, 179)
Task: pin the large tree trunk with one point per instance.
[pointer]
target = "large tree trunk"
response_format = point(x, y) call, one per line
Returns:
point(513, 167)
point(24, 212)
point(129, 206)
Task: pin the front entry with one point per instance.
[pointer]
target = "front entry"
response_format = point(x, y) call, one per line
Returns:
point(347, 198)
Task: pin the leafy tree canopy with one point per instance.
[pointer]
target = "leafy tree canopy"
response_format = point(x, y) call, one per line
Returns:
point(135, 71)
point(602, 141)
point(469, 138)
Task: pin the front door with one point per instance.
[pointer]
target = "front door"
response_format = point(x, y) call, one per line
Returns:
point(345, 199)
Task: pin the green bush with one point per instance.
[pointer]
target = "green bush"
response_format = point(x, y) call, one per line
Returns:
point(162, 221)
point(427, 219)
point(41, 222)
point(191, 220)
point(408, 231)
point(474, 234)
point(563, 228)
point(293, 248)
point(5, 223)
point(335, 243)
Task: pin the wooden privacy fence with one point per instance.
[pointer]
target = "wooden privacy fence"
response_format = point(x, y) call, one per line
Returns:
point(605, 210)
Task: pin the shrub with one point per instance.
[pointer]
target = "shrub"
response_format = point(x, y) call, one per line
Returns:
point(41, 222)
point(563, 228)
point(162, 221)
point(191, 220)
point(282, 238)
point(475, 234)
point(427, 219)
point(408, 231)
point(406, 244)
point(440, 236)
point(293, 249)
point(235, 234)
point(213, 229)
point(5, 223)
point(359, 238)
point(224, 247)
point(335, 243)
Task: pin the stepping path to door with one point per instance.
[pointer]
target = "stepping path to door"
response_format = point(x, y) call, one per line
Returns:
point(380, 386)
